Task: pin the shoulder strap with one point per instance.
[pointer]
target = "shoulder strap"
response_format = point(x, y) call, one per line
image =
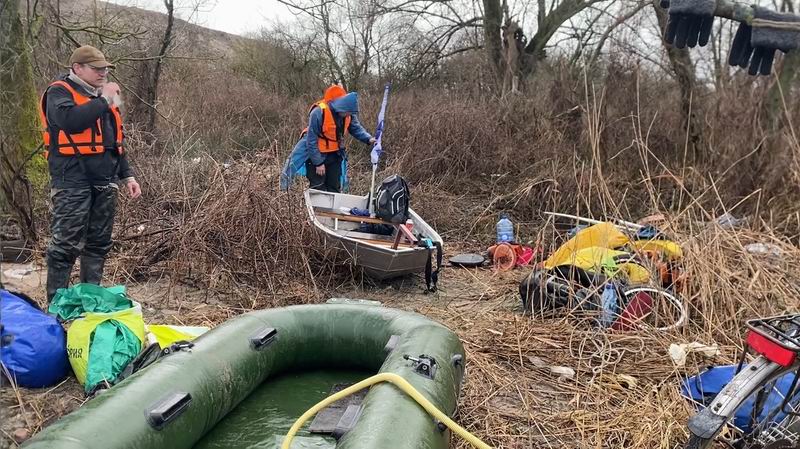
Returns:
point(43, 102)
point(431, 276)
point(65, 85)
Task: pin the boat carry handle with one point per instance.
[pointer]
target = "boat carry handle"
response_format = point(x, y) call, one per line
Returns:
point(167, 409)
point(263, 338)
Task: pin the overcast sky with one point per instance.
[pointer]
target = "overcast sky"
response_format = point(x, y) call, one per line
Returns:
point(232, 16)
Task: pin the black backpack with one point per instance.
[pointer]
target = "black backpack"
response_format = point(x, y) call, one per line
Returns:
point(391, 200)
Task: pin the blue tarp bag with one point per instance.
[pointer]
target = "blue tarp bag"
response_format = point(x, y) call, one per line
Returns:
point(705, 386)
point(34, 351)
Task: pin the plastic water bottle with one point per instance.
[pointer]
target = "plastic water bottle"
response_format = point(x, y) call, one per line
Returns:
point(609, 305)
point(505, 230)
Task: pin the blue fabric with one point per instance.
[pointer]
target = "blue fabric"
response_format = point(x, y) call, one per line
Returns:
point(36, 357)
point(346, 104)
point(357, 130)
point(705, 386)
point(344, 180)
point(308, 145)
point(312, 137)
point(574, 231)
point(377, 150)
point(295, 165)
point(648, 232)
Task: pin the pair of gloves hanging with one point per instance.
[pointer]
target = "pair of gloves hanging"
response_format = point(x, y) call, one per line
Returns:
point(754, 47)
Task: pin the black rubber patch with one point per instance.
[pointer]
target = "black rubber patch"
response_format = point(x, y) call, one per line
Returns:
point(263, 338)
point(467, 260)
point(167, 409)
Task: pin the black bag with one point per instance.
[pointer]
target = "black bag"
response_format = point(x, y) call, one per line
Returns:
point(391, 200)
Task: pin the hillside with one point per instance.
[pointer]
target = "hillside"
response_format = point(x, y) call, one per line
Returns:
point(204, 41)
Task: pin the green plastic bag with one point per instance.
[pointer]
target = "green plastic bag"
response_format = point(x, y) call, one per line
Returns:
point(100, 345)
point(107, 332)
point(71, 303)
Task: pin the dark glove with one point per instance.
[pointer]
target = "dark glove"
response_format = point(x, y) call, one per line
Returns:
point(755, 47)
point(690, 22)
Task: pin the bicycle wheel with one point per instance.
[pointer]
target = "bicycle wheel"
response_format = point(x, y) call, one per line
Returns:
point(666, 311)
point(750, 404)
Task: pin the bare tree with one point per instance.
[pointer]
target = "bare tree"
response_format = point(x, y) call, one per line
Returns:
point(281, 60)
point(618, 21)
point(357, 37)
point(779, 95)
point(153, 66)
point(549, 19)
point(683, 71)
point(19, 133)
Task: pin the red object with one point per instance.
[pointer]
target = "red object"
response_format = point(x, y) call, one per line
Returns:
point(771, 350)
point(504, 256)
point(525, 256)
point(521, 255)
point(637, 308)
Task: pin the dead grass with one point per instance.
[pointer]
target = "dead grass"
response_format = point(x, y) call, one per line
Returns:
point(625, 390)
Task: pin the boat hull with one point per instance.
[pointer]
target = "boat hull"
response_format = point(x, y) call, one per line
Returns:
point(225, 367)
point(378, 260)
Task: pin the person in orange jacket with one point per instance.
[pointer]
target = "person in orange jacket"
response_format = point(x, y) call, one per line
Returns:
point(320, 153)
point(84, 143)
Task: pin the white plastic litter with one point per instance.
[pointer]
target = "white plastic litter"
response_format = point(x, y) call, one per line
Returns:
point(679, 352)
point(537, 362)
point(18, 273)
point(728, 221)
point(764, 249)
point(563, 372)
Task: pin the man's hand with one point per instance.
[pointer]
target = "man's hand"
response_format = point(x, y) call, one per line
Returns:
point(321, 170)
point(110, 90)
point(134, 190)
point(372, 140)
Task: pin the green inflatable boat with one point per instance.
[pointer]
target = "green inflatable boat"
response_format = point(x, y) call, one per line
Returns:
point(243, 385)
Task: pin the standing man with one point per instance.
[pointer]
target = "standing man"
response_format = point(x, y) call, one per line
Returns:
point(321, 150)
point(84, 148)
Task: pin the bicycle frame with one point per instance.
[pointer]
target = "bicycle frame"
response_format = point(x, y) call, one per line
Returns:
point(778, 347)
point(710, 421)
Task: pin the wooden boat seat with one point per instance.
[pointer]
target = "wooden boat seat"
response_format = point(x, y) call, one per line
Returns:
point(402, 230)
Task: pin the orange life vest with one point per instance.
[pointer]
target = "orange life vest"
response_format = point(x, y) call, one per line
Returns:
point(327, 140)
point(88, 141)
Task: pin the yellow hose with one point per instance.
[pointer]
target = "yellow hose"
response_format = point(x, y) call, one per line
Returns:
point(400, 383)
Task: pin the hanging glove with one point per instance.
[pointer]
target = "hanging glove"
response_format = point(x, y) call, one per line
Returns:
point(690, 22)
point(755, 47)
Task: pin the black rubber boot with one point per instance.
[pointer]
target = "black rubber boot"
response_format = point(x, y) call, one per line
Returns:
point(92, 269)
point(57, 277)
